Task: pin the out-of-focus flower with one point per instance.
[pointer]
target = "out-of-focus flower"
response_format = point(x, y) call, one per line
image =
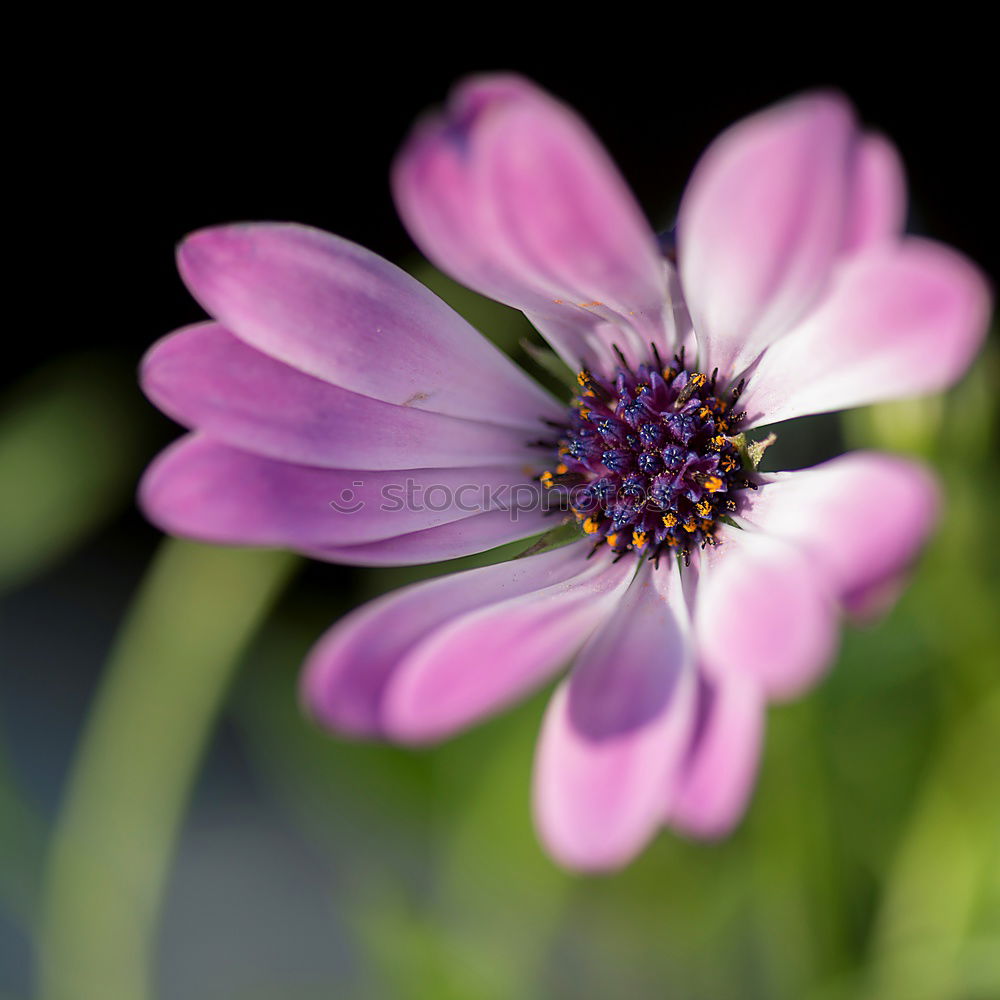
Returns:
point(697, 588)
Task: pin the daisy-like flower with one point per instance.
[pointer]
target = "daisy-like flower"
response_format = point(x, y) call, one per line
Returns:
point(696, 589)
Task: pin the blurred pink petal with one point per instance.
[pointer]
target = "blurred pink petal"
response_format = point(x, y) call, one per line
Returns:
point(901, 319)
point(200, 488)
point(876, 208)
point(339, 312)
point(760, 226)
point(715, 781)
point(763, 610)
point(446, 541)
point(206, 378)
point(348, 671)
point(615, 731)
point(509, 191)
point(862, 518)
point(478, 663)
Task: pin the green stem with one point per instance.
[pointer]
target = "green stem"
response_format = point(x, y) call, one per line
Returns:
point(144, 738)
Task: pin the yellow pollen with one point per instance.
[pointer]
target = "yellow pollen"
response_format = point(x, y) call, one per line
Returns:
point(705, 525)
point(590, 526)
point(583, 377)
point(690, 524)
point(670, 374)
point(672, 541)
point(728, 463)
point(638, 539)
point(561, 469)
point(698, 380)
point(704, 413)
point(703, 507)
point(612, 540)
point(718, 442)
point(713, 484)
point(584, 412)
point(669, 520)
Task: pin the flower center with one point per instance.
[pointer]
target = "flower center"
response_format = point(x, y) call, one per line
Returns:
point(648, 458)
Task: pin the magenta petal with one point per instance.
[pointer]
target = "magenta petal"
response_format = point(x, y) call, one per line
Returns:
point(862, 518)
point(762, 608)
point(204, 377)
point(202, 489)
point(876, 208)
point(482, 661)
point(616, 730)
point(447, 541)
point(760, 225)
point(510, 192)
point(901, 319)
point(715, 781)
point(347, 672)
point(343, 314)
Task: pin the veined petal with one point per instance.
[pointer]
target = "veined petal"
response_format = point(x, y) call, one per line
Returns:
point(341, 313)
point(862, 518)
point(876, 208)
point(761, 223)
point(483, 660)
point(762, 609)
point(206, 378)
point(200, 488)
point(350, 668)
point(901, 318)
point(616, 730)
point(510, 192)
point(715, 781)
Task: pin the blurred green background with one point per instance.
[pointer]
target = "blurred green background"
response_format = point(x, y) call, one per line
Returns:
point(172, 826)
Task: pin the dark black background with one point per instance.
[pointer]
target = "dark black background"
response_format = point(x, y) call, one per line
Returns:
point(140, 144)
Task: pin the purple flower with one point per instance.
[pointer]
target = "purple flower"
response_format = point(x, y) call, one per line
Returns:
point(697, 588)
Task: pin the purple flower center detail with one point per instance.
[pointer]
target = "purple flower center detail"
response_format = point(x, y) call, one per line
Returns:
point(648, 459)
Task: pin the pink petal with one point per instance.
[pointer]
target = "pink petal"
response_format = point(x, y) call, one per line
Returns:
point(763, 609)
point(202, 489)
point(447, 541)
point(902, 318)
point(714, 784)
point(616, 730)
point(862, 518)
point(760, 225)
point(347, 672)
point(343, 314)
point(510, 192)
point(205, 377)
point(482, 661)
point(876, 209)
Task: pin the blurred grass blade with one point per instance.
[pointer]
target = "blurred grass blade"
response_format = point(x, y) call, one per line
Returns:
point(22, 834)
point(71, 447)
point(148, 727)
point(940, 870)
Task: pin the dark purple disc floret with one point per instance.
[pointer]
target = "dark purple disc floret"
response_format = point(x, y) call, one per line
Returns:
point(648, 459)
